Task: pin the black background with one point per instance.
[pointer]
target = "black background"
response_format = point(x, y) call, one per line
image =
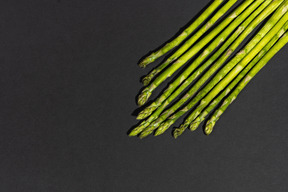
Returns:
point(69, 78)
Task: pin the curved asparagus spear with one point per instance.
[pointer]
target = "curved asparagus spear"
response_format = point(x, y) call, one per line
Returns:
point(220, 75)
point(167, 93)
point(146, 93)
point(211, 123)
point(153, 56)
point(146, 80)
point(195, 123)
point(152, 126)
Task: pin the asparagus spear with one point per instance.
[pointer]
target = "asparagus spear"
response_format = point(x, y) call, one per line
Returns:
point(215, 102)
point(146, 93)
point(211, 123)
point(152, 126)
point(222, 84)
point(146, 80)
point(148, 110)
point(175, 42)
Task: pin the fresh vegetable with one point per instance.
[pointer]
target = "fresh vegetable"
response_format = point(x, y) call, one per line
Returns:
point(213, 49)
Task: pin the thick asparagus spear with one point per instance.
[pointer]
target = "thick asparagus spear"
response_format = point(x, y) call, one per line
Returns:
point(211, 123)
point(167, 93)
point(175, 42)
point(148, 130)
point(215, 102)
point(146, 93)
point(221, 74)
point(146, 80)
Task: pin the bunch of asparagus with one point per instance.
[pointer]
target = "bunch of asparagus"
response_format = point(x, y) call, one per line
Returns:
point(217, 66)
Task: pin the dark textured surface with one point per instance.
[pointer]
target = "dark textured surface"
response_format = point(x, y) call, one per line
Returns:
point(68, 84)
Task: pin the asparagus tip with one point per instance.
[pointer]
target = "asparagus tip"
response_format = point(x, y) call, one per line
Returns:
point(146, 112)
point(143, 97)
point(132, 133)
point(194, 125)
point(178, 131)
point(137, 129)
point(163, 127)
point(140, 116)
point(144, 134)
point(146, 80)
point(142, 64)
point(157, 133)
point(209, 127)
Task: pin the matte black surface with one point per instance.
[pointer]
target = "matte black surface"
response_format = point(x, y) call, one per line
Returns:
point(69, 78)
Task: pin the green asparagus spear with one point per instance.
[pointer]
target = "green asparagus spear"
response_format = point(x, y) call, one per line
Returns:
point(220, 75)
point(211, 123)
point(148, 130)
point(189, 42)
point(148, 110)
point(215, 102)
point(175, 42)
point(146, 93)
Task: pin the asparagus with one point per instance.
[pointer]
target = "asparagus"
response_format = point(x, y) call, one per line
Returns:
point(211, 123)
point(146, 93)
point(152, 107)
point(223, 83)
point(146, 80)
point(175, 42)
point(215, 102)
point(152, 126)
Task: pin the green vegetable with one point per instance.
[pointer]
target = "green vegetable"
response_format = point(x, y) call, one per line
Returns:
point(164, 126)
point(213, 49)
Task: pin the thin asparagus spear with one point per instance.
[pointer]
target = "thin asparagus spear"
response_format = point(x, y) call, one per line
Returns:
point(146, 93)
point(211, 123)
point(189, 42)
point(220, 75)
point(152, 126)
point(215, 102)
point(167, 93)
point(175, 42)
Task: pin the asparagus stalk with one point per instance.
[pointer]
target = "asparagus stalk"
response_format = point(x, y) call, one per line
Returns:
point(152, 107)
point(230, 75)
point(146, 80)
point(215, 102)
point(211, 123)
point(175, 42)
point(152, 126)
point(146, 93)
